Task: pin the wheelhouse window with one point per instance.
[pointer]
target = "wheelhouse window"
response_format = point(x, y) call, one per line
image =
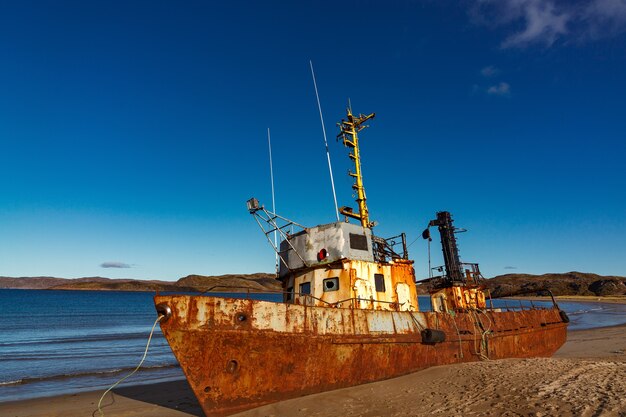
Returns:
point(358, 242)
point(289, 295)
point(331, 284)
point(305, 288)
point(379, 281)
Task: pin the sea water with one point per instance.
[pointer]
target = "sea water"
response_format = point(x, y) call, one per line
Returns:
point(57, 342)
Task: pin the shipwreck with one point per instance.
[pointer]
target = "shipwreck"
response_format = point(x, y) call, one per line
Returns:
point(349, 313)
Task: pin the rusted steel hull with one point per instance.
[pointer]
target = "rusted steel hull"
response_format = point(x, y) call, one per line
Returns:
point(241, 354)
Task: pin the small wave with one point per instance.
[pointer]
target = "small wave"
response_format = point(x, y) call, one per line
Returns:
point(110, 372)
point(86, 338)
point(36, 356)
point(16, 382)
point(585, 311)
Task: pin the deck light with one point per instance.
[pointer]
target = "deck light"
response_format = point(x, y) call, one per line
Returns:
point(253, 205)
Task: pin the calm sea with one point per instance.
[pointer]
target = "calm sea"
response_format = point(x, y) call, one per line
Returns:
point(57, 342)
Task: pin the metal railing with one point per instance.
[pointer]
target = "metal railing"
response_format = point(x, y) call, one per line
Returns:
point(519, 306)
point(532, 305)
point(248, 291)
point(384, 249)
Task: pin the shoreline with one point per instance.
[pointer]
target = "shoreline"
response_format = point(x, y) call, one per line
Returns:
point(589, 357)
point(609, 299)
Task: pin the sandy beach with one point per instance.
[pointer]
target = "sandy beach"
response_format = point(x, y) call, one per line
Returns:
point(587, 377)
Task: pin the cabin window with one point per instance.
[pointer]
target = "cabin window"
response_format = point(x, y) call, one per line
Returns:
point(379, 281)
point(358, 242)
point(331, 284)
point(290, 294)
point(305, 288)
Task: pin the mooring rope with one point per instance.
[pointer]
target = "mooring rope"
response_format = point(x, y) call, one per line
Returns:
point(483, 353)
point(477, 351)
point(458, 332)
point(416, 322)
point(145, 353)
point(485, 334)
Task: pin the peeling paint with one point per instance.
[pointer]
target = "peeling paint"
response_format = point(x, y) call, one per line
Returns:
point(240, 354)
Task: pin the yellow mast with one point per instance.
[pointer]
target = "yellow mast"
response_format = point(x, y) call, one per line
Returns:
point(349, 134)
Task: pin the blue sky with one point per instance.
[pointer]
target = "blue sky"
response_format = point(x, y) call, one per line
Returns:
point(132, 133)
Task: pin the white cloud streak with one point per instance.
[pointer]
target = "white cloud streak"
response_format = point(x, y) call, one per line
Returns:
point(501, 89)
point(489, 71)
point(546, 22)
point(543, 23)
point(605, 18)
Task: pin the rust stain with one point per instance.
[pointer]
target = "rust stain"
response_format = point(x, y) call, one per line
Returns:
point(235, 359)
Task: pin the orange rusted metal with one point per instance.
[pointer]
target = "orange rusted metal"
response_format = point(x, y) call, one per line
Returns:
point(357, 286)
point(240, 354)
point(456, 297)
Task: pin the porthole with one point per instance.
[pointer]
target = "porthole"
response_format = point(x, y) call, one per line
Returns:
point(331, 284)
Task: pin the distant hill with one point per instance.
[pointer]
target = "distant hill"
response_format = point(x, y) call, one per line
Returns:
point(222, 283)
point(568, 283)
point(258, 281)
point(38, 283)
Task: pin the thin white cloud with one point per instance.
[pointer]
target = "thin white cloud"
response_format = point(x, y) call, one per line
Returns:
point(501, 89)
point(605, 18)
point(489, 71)
point(546, 22)
point(115, 265)
point(543, 24)
point(607, 9)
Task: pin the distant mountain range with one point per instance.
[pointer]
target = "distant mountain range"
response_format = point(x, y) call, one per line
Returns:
point(569, 283)
point(223, 283)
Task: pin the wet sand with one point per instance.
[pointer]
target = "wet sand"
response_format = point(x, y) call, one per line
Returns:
point(587, 377)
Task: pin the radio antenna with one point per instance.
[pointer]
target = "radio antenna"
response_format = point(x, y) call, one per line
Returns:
point(269, 145)
point(330, 168)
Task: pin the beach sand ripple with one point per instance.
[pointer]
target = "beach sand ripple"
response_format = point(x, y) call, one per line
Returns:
point(513, 387)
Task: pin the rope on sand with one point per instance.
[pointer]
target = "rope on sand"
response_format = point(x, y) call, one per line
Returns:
point(145, 353)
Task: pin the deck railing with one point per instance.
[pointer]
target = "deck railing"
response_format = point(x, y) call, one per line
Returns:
point(514, 305)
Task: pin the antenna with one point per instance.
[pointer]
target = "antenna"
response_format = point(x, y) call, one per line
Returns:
point(349, 129)
point(330, 168)
point(430, 269)
point(269, 144)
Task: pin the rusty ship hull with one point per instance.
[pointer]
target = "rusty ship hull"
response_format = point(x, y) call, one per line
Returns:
point(239, 354)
